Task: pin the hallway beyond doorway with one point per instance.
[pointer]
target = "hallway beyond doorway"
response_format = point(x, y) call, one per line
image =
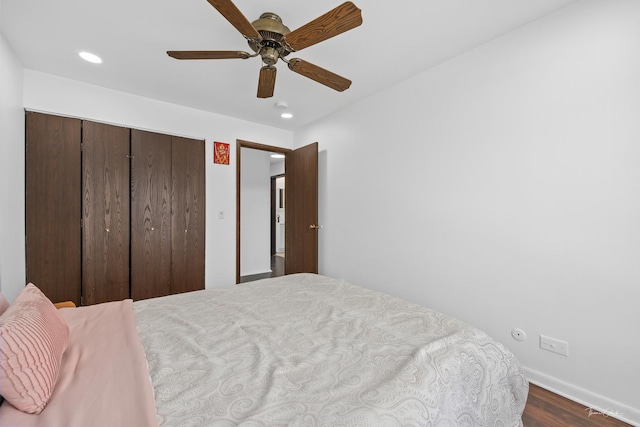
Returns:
point(277, 270)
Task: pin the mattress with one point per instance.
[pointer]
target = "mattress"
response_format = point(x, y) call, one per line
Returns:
point(308, 350)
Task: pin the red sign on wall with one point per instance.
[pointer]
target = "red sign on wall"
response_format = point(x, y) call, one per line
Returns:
point(221, 153)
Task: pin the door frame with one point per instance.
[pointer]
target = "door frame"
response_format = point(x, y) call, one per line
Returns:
point(240, 144)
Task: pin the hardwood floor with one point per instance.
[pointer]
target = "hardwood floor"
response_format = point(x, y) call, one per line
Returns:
point(547, 409)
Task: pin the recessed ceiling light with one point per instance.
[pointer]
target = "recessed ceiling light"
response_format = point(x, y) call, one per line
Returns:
point(286, 115)
point(90, 57)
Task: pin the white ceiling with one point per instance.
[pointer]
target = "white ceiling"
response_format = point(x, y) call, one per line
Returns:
point(396, 41)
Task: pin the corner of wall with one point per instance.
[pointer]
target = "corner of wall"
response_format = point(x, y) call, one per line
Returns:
point(12, 222)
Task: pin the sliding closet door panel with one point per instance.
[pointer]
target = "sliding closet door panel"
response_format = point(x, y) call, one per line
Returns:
point(105, 213)
point(53, 208)
point(188, 215)
point(150, 215)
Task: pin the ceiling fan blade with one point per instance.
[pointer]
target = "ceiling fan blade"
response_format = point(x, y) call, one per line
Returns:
point(343, 18)
point(267, 81)
point(236, 18)
point(208, 54)
point(319, 74)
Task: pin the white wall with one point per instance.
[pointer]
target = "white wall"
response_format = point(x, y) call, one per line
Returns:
point(12, 249)
point(51, 94)
point(277, 167)
point(503, 187)
point(255, 212)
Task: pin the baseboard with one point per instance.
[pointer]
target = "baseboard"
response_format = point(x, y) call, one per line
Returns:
point(590, 400)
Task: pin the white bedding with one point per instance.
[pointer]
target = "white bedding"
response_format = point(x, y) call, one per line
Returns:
point(306, 350)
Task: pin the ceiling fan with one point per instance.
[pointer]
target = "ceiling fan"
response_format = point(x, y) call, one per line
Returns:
point(271, 40)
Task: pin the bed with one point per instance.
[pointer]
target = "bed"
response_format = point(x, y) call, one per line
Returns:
point(300, 350)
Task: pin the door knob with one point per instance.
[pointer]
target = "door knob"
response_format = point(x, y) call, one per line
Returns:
point(314, 227)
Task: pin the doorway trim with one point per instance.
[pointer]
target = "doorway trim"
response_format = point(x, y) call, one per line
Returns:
point(240, 144)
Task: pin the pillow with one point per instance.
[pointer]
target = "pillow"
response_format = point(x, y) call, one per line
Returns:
point(33, 337)
point(4, 304)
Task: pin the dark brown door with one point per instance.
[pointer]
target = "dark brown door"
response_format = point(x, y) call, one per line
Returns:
point(53, 207)
point(150, 215)
point(301, 210)
point(187, 215)
point(105, 212)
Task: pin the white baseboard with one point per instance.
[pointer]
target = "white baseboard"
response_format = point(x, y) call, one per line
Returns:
point(597, 405)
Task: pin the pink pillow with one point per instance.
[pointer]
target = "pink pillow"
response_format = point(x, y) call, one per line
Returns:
point(34, 336)
point(4, 304)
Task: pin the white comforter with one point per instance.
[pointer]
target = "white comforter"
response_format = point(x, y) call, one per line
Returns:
point(306, 350)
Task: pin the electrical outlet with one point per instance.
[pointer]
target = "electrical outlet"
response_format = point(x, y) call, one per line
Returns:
point(555, 346)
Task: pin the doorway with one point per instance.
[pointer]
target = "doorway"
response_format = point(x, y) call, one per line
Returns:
point(260, 212)
point(301, 206)
point(262, 215)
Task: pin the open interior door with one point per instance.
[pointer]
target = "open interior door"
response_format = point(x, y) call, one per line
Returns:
point(301, 210)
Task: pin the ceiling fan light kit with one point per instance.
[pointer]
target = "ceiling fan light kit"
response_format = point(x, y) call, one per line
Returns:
point(270, 39)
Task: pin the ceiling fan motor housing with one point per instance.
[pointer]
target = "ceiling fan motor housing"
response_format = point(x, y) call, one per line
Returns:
point(271, 29)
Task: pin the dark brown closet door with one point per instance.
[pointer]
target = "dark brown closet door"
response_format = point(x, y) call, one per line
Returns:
point(105, 213)
point(53, 208)
point(188, 215)
point(150, 215)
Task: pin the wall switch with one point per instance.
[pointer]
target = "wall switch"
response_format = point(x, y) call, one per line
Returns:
point(554, 345)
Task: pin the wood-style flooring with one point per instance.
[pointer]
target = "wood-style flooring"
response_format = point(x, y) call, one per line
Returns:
point(547, 409)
